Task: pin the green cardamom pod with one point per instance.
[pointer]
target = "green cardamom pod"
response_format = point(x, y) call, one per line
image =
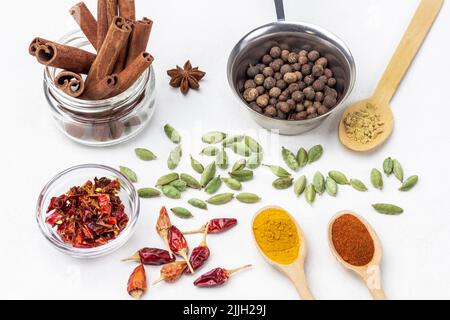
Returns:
point(210, 151)
point(221, 199)
point(179, 184)
point(182, 213)
point(377, 179)
point(167, 179)
point(191, 181)
point(398, 170)
point(213, 137)
point(233, 184)
point(147, 193)
point(338, 177)
point(409, 183)
point(315, 153)
point(214, 185)
point(302, 157)
point(254, 161)
point(208, 174)
point(145, 154)
point(283, 183)
point(319, 182)
point(130, 174)
point(253, 144)
point(239, 165)
point(230, 140)
point(222, 159)
point(310, 194)
point(171, 192)
point(331, 187)
point(290, 159)
point(300, 186)
point(249, 198)
point(242, 175)
point(172, 134)
point(175, 157)
point(197, 166)
point(388, 209)
point(280, 172)
point(388, 166)
point(241, 149)
point(358, 185)
point(197, 203)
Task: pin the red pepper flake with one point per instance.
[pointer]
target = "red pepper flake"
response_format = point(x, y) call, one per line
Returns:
point(137, 283)
point(217, 277)
point(88, 216)
point(215, 226)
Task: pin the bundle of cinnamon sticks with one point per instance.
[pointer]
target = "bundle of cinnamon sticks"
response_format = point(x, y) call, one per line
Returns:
point(120, 41)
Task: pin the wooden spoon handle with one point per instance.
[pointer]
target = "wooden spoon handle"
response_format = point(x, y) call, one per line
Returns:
point(298, 278)
point(406, 51)
point(378, 294)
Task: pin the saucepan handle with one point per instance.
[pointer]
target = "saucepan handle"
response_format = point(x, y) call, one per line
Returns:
point(280, 10)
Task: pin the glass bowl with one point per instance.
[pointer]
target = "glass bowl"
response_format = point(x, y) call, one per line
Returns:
point(77, 176)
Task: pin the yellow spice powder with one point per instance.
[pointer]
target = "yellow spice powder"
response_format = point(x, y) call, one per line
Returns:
point(277, 236)
point(364, 125)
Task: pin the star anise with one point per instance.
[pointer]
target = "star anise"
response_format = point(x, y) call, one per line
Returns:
point(186, 78)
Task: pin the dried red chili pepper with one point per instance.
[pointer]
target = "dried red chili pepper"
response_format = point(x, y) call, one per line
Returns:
point(88, 216)
point(151, 257)
point(172, 272)
point(137, 283)
point(178, 245)
point(200, 254)
point(216, 226)
point(163, 226)
point(217, 277)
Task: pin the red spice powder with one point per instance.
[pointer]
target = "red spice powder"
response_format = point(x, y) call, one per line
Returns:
point(352, 240)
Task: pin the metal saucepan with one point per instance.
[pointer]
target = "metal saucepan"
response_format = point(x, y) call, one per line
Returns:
point(294, 35)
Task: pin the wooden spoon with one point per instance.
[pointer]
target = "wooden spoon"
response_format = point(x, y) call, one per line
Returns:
point(410, 44)
point(296, 270)
point(370, 273)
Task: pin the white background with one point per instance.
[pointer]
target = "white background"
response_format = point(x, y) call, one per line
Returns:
point(416, 245)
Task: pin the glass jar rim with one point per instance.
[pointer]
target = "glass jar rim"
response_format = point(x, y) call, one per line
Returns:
point(90, 107)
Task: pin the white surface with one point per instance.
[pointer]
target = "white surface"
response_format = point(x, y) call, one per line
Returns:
point(416, 245)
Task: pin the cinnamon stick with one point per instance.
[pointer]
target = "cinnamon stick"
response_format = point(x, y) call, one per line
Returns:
point(102, 22)
point(115, 40)
point(35, 43)
point(80, 12)
point(65, 57)
point(70, 82)
point(139, 39)
point(122, 58)
point(112, 10)
point(132, 72)
point(127, 9)
point(101, 89)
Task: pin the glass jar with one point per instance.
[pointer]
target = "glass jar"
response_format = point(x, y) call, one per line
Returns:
point(105, 122)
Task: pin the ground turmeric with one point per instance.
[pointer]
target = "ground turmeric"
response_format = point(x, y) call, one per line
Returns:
point(277, 236)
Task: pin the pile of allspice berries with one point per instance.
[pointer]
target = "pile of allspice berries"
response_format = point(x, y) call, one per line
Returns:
point(291, 85)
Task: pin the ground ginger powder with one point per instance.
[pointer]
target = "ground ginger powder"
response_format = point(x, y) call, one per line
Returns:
point(277, 236)
point(364, 125)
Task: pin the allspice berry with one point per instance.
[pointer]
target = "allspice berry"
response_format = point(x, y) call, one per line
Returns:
point(250, 94)
point(275, 92)
point(322, 62)
point(261, 90)
point(281, 84)
point(329, 101)
point(322, 110)
point(285, 55)
point(252, 71)
point(290, 77)
point(319, 96)
point(268, 72)
point(270, 111)
point(262, 101)
point(313, 55)
point(298, 96)
point(328, 73)
point(249, 84)
point(275, 52)
point(331, 82)
point(278, 76)
point(292, 57)
point(283, 107)
point(259, 79)
point(311, 110)
point(308, 80)
point(317, 70)
point(269, 83)
point(303, 59)
point(306, 69)
point(286, 68)
point(318, 85)
point(267, 59)
point(293, 87)
point(309, 93)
